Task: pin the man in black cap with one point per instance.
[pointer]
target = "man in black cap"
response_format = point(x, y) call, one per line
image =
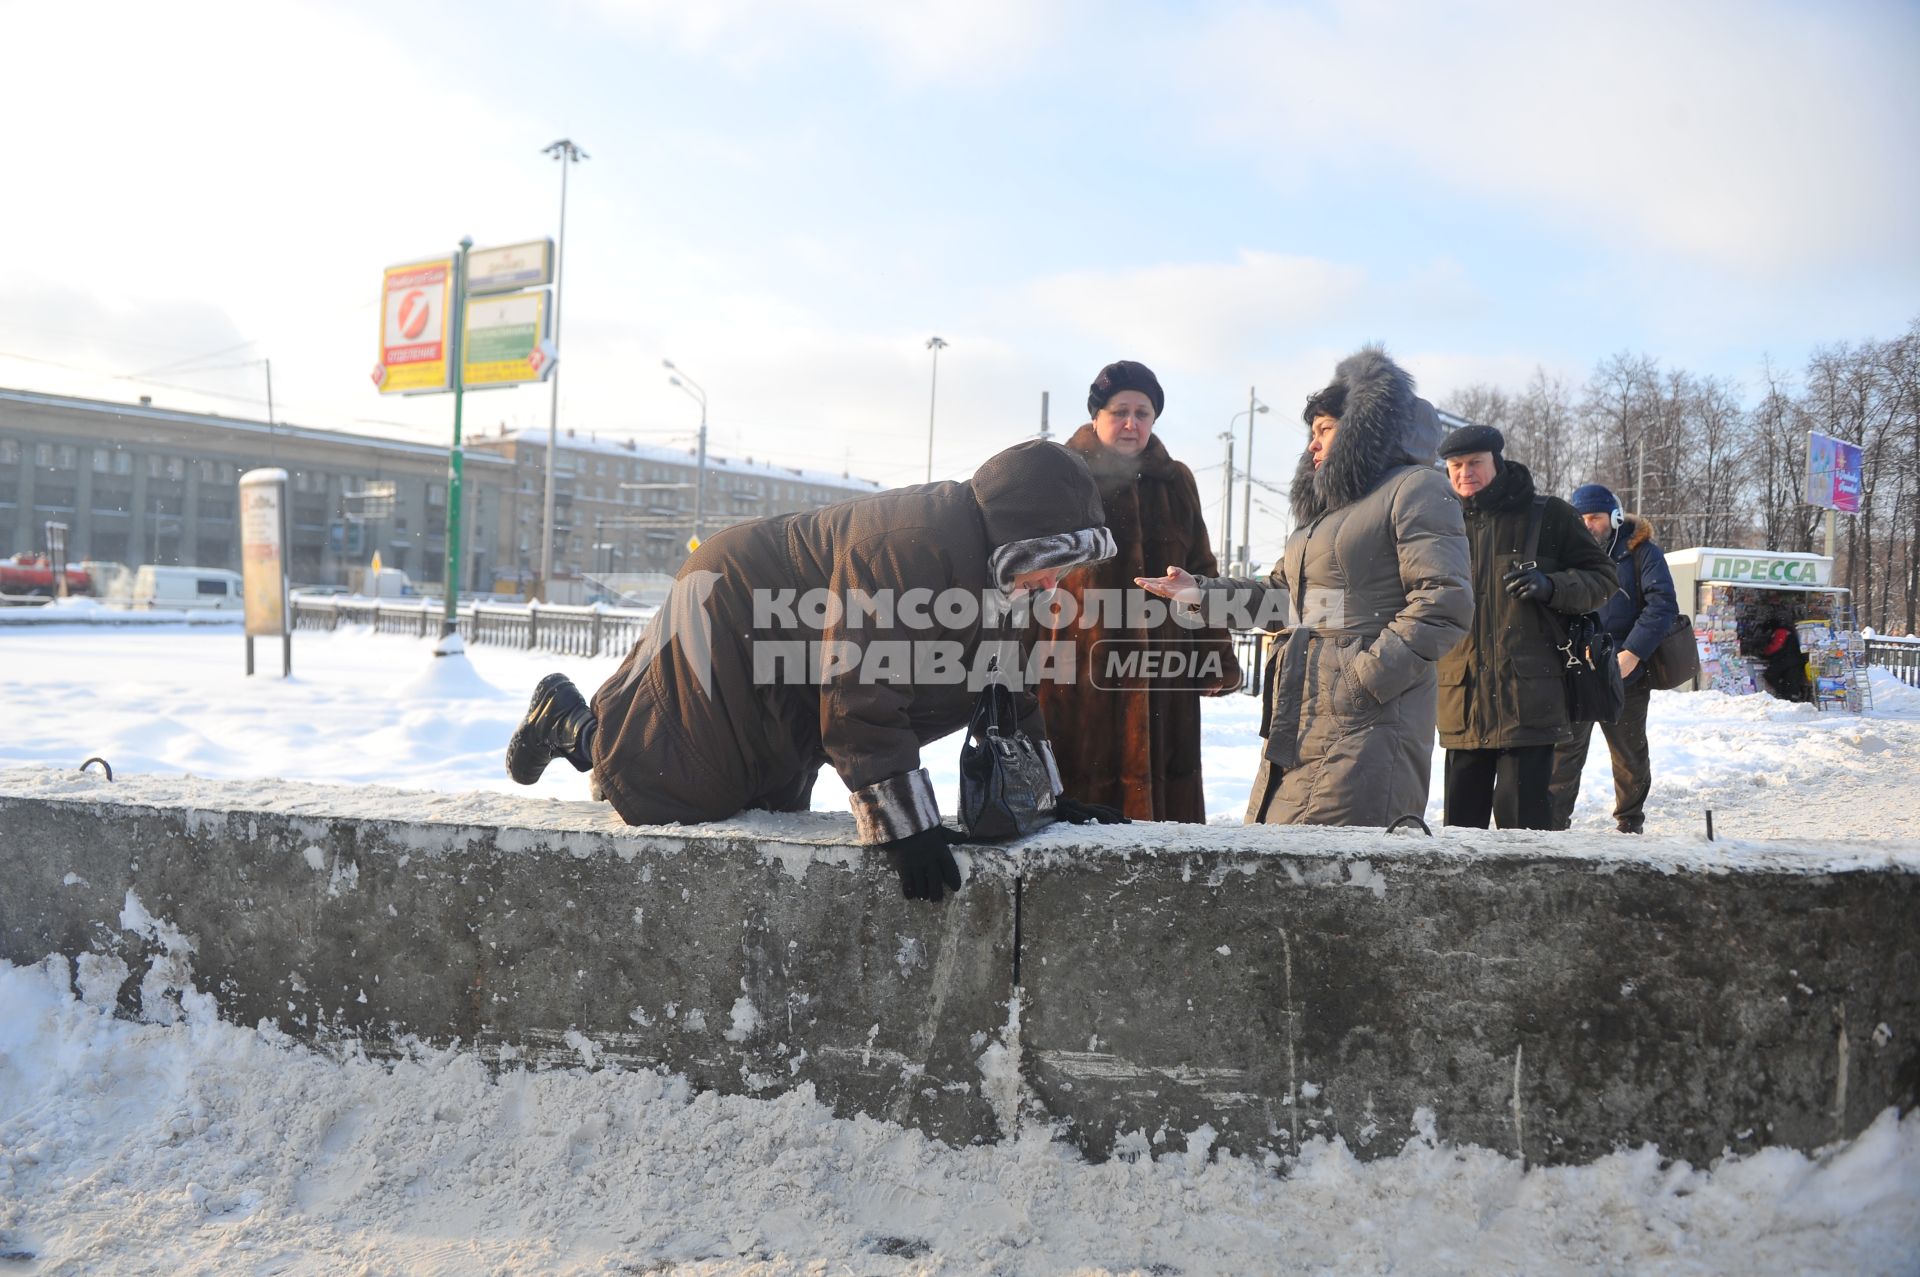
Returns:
point(1503, 701)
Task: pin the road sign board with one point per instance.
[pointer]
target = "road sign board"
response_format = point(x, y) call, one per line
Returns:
point(501, 270)
point(415, 301)
point(1833, 473)
point(504, 339)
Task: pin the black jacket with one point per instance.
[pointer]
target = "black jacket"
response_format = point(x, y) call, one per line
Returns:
point(1504, 685)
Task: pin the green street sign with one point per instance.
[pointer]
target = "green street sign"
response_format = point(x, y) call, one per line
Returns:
point(502, 344)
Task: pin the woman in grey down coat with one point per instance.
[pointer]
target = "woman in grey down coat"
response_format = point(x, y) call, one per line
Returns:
point(1375, 579)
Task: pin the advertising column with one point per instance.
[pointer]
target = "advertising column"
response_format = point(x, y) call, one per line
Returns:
point(263, 561)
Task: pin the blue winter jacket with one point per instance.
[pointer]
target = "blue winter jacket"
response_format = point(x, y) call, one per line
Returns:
point(1640, 612)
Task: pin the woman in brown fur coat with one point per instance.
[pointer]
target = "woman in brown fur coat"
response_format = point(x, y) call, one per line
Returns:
point(1123, 738)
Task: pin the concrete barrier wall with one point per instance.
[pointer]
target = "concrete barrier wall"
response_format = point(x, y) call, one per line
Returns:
point(1550, 997)
point(1548, 1007)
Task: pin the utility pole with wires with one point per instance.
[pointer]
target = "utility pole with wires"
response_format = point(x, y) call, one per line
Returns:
point(568, 154)
point(936, 345)
point(1226, 507)
point(696, 392)
point(273, 431)
point(1254, 408)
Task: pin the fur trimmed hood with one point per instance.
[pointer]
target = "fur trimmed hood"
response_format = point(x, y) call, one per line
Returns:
point(1383, 426)
point(1635, 530)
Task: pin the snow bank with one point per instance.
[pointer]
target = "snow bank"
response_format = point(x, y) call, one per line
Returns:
point(208, 1148)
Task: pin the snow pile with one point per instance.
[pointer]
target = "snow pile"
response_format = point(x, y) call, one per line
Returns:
point(446, 676)
point(207, 1148)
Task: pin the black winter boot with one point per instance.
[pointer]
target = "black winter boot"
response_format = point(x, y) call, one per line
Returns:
point(559, 724)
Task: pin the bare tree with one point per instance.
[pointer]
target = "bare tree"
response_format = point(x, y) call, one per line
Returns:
point(1615, 413)
point(1777, 450)
point(1483, 404)
point(1543, 417)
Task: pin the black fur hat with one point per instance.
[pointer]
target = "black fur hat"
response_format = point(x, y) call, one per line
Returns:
point(1126, 374)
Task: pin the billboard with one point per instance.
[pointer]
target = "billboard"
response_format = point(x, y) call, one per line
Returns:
point(1833, 474)
point(514, 266)
point(416, 301)
point(505, 339)
point(263, 560)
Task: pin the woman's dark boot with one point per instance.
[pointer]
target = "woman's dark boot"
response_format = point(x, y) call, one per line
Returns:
point(559, 724)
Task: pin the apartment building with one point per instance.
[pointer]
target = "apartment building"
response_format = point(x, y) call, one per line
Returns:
point(622, 506)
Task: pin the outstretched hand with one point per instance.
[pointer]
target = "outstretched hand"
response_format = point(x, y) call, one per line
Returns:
point(1178, 584)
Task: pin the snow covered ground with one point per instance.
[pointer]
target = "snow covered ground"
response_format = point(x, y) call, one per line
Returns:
point(203, 1147)
point(366, 709)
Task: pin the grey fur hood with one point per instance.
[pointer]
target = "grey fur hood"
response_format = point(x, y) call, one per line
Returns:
point(1383, 425)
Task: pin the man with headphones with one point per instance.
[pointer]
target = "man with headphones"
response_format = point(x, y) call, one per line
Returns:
point(1638, 614)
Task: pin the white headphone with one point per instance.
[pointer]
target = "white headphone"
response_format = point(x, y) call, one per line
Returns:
point(1616, 517)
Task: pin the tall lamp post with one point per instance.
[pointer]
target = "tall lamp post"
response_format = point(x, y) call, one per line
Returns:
point(936, 345)
point(568, 154)
point(693, 390)
point(1246, 510)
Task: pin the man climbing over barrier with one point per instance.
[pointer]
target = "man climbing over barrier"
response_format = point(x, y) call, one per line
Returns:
point(704, 718)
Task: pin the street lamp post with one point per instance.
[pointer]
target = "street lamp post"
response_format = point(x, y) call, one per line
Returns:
point(568, 154)
point(450, 618)
point(936, 345)
point(1246, 510)
point(694, 391)
point(1226, 502)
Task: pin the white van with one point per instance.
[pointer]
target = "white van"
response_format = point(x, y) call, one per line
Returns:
point(187, 589)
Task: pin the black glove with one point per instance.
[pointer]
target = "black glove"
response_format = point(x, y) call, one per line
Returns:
point(1078, 813)
point(925, 860)
point(1530, 584)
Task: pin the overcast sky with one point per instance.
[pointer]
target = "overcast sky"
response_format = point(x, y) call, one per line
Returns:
point(788, 197)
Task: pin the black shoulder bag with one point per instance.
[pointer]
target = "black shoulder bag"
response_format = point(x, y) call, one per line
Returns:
point(1595, 693)
point(1006, 789)
point(1677, 659)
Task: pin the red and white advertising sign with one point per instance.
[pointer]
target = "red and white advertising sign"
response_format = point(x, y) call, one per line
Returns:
point(415, 334)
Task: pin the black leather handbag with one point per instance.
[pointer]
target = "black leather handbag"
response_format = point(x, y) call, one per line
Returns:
point(1595, 692)
point(1006, 789)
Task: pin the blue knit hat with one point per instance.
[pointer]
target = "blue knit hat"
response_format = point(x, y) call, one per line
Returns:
point(1591, 498)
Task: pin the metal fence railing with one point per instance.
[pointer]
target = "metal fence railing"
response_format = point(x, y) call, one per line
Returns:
point(1250, 648)
point(567, 631)
point(601, 631)
point(1899, 657)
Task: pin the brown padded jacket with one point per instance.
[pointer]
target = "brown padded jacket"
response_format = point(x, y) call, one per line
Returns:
point(1123, 740)
point(714, 711)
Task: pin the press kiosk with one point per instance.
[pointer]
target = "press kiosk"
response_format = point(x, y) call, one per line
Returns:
point(1738, 597)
